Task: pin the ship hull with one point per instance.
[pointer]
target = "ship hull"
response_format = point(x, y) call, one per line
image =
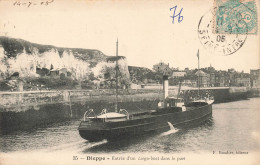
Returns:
point(141, 126)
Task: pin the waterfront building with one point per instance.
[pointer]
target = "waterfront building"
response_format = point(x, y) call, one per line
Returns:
point(243, 81)
point(212, 79)
point(189, 82)
point(255, 77)
point(204, 78)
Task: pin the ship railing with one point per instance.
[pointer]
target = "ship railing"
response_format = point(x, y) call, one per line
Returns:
point(132, 117)
point(87, 113)
point(209, 98)
point(124, 112)
point(104, 111)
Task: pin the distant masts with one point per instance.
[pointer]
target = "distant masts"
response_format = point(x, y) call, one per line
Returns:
point(116, 106)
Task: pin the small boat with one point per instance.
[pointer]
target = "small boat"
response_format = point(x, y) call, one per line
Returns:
point(171, 112)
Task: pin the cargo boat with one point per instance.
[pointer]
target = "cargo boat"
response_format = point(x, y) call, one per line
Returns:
point(170, 113)
point(113, 126)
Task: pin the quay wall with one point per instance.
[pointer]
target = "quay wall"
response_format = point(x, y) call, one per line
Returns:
point(224, 94)
point(26, 110)
point(21, 101)
point(45, 114)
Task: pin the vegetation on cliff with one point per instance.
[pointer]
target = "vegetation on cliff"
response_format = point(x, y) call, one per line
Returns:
point(43, 64)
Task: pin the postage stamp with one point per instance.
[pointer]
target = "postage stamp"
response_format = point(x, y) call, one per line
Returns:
point(235, 17)
point(219, 44)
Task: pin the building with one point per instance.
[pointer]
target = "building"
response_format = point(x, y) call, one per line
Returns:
point(59, 72)
point(219, 80)
point(204, 78)
point(162, 68)
point(243, 81)
point(255, 77)
point(255, 72)
point(212, 79)
point(178, 74)
point(189, 82)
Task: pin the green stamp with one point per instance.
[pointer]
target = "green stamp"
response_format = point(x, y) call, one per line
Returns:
point(235, 17)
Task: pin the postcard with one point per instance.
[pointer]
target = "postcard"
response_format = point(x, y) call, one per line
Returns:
point(129, 82)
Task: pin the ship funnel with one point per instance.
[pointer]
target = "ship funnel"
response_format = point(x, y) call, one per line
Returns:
point(165, 86)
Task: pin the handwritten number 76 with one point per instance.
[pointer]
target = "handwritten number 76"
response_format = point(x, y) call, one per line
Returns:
point(180, 18)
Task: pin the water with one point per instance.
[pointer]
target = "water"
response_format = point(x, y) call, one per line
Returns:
point(233, 127)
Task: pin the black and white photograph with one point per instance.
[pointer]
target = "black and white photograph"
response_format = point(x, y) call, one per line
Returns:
point(129, 82)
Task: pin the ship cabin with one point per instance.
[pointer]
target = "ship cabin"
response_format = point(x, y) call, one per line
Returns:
point(169, 105)
point(170, 102)
point(112, 117)
point(105, 116)
point(200, 102)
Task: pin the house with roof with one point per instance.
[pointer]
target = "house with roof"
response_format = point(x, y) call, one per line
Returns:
point(204, 78)
point(255, 77)
point(58, 72)
point(176, 74)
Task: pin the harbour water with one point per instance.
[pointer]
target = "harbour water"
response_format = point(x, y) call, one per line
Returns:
point(233, 127)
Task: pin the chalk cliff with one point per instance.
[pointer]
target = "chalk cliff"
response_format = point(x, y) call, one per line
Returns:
point(17, 55)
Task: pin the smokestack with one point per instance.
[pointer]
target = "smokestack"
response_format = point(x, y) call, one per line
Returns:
point(165, 86)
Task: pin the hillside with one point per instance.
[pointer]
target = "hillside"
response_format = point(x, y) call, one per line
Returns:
point(14, 47)
point(24, 59)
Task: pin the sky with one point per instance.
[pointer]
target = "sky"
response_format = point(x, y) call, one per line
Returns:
point(144, 29)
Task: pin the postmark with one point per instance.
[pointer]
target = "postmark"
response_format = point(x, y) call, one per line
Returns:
point(235, 17)
point(220, 44)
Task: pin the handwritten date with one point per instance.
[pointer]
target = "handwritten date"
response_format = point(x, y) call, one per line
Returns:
point(30, 3)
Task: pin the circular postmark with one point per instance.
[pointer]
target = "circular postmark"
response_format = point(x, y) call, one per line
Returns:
point(221, 44)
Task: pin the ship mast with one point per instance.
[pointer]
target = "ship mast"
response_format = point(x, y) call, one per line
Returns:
point(116, 106)
point(198, 55)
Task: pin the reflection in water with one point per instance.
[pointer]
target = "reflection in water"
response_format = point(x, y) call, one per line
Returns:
point(234, 126)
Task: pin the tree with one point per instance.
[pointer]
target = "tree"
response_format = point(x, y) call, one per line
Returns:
point(160, 67)
point(16, 74)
